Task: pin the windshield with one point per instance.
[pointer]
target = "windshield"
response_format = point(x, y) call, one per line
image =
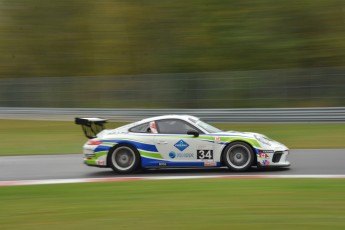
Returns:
point(209, 128)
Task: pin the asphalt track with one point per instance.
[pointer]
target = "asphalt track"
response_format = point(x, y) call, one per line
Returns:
point(40, 167)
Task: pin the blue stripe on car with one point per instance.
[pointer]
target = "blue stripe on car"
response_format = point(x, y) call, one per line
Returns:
point(138, 145)
point(148, 162)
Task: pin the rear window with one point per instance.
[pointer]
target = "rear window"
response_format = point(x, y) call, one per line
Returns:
point(143, 128)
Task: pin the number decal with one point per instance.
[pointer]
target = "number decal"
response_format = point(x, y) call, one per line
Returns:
point(204, 154)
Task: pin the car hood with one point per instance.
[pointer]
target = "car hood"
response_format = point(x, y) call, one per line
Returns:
point(272, 143)
point(237, 133)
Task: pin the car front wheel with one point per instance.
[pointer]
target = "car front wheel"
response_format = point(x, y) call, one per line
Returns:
point(238, 156)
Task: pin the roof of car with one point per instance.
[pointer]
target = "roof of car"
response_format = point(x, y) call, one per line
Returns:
point(182, 117)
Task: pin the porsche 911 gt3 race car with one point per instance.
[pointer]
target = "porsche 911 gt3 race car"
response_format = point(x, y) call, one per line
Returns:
point(176, 141)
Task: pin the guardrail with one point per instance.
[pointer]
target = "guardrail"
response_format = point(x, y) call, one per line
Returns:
point(224, 89)
point(258, 115)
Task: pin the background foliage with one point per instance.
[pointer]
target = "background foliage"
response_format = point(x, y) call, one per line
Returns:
point(84, 37)
point(68, 38)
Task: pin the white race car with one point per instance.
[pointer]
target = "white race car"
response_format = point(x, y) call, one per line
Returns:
point(176, 141)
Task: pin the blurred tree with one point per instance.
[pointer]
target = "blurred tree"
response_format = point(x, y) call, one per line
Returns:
point(66, 38)
point(84, 37)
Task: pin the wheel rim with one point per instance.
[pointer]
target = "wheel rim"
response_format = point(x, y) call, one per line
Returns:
point(123, 158)
point(238, 156)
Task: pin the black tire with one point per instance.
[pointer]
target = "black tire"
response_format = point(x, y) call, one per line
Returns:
point(124, 159)
point(238, 156)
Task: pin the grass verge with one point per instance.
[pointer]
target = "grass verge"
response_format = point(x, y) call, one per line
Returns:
point(20, 137)
point(178, 204)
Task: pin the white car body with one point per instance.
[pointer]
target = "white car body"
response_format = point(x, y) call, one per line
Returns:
point(204, 149)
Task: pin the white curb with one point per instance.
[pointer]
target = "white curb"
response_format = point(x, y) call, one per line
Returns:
point(119, 179)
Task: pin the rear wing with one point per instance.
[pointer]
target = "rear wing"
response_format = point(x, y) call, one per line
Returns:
point(91, 126)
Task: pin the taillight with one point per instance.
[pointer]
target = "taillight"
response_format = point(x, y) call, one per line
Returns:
point(93, 142)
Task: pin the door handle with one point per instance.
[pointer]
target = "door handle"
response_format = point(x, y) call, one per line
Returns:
point(162, 142)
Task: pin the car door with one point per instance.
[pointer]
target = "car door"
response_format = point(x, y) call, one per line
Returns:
point(175, 145)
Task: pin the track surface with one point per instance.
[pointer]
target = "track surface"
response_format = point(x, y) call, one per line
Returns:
point(303, 162)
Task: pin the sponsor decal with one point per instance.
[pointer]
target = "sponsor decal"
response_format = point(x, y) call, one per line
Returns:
point(181, 155)
point(185, 155)
point(100, 162)
point(217, 139)
point(181, 145)
point(266, 151)
point(162, 164)
point(265, 162)
point(204, 154)
point(210, 163)
point(263, 155)
point(172, 155)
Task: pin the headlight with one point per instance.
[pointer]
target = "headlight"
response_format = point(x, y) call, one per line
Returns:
point(262, 139)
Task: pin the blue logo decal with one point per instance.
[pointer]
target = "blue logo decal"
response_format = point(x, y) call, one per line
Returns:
point(172, 155)
point(181, 145)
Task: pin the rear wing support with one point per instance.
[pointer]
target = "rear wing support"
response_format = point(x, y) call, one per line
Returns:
point(91, 126)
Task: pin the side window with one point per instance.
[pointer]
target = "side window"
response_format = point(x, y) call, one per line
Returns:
point(173, 126)
point(143, 128)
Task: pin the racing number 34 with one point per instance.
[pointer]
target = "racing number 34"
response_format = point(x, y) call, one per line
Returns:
point(204, 154)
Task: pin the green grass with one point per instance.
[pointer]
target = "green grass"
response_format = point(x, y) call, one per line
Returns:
point(58, 137)
point(39, 137)
point(178, 204)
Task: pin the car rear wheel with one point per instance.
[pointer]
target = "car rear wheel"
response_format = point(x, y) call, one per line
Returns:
point(238, 156)
point(124, 159)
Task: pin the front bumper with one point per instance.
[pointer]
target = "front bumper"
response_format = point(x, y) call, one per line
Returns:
point(271, 158)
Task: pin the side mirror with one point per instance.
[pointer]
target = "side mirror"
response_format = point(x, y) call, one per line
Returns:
point(193, 132)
